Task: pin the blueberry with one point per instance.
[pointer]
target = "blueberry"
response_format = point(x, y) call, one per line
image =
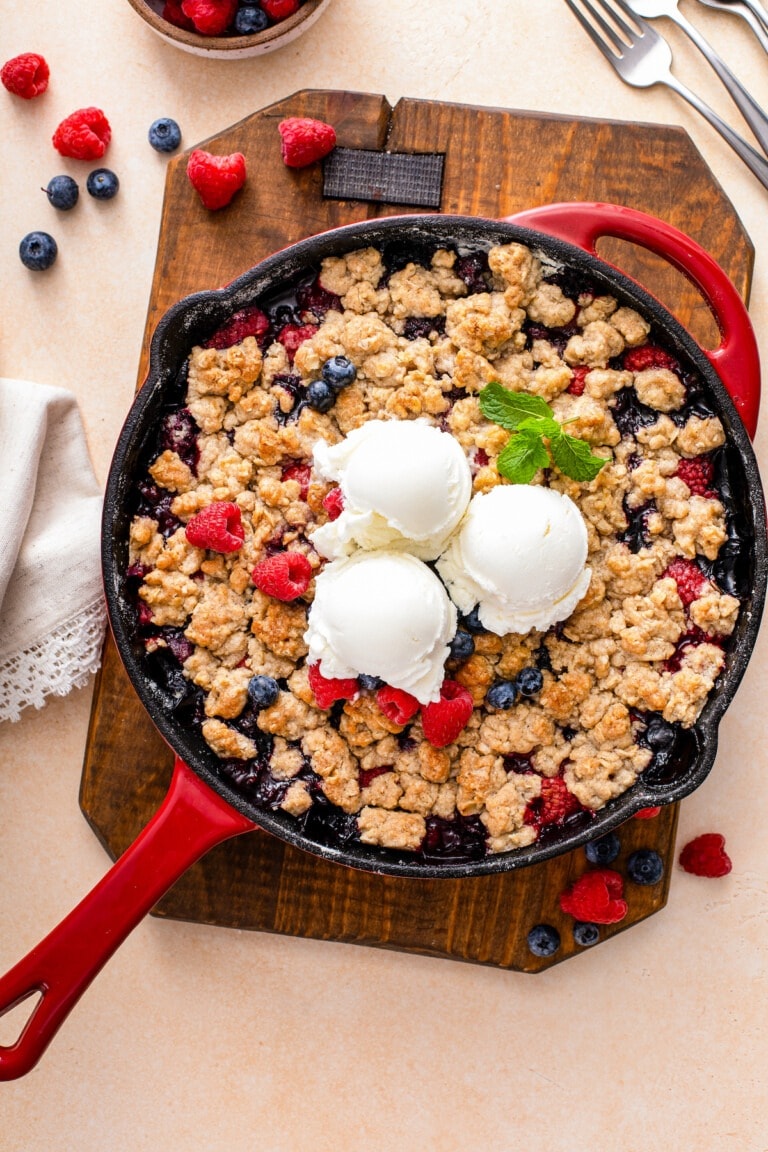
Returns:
point(63, 192)
point(603, 851)
point(472, 621)
point(529, 681)
point(338, 372)
point(38, 251)
point(102, 183)
point(543, 940)
point(263, 691)
point(645, 866)
point(320, 396)
point(462, 646)
point(371, 683)
point(164, 135)
point(659, 734)
point(502, 694)
point(249, 20)
point(586, 934)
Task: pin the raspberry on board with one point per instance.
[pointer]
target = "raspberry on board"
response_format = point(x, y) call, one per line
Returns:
point(327, 690)
point(210, 17)
point(218, 526)
point(444, 719)
point(216, 179)
point(596, 897)
point(304, 141)
point(286, 575)
point(705, 855)
point(333, 502)
point(397, 705)
point(247, 322)
point(25, 75)
point(83, 135)
point(646, 813)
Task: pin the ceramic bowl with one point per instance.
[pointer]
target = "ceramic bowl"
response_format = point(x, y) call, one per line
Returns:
point(230, 47)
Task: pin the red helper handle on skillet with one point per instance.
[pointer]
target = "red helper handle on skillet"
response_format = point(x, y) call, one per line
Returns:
point(191, 819)
point(736, 359)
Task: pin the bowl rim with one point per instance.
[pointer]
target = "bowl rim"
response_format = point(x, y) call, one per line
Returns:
point(226, 45)
point(260, 279)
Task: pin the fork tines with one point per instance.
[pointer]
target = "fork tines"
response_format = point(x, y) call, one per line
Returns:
point(608, 30)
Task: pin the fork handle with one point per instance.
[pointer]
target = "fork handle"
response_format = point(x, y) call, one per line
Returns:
point(759, 12)
point(744, 101)
point(736, 359)
point(753, 160)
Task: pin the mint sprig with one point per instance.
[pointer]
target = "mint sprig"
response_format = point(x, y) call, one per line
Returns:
point(537, 439)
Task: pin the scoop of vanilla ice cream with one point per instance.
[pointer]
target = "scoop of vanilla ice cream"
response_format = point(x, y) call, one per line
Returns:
point(520, 556)
point(406, 485)
point(382, 614)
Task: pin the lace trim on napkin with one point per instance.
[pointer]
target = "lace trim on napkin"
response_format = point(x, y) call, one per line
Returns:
point(62, 660)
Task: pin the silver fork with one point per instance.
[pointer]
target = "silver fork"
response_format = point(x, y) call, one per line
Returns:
point(756, 8)
point(747, 105)
point(642, 58)
point(737, 8)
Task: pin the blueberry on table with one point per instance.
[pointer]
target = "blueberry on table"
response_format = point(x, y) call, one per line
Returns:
point(502, 694)
point(586, 934)
point(37, 251)
point(249, 20)
point(603, 851)
point(543, 940)
point(164, 134)
point(263, 691)
point(529, 681)
point(320, 396)
point(62, 192)
point(102, 183)
point(338, 372)
point(645, 866)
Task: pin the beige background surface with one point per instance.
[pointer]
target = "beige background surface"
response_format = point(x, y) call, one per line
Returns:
point(202, 1039)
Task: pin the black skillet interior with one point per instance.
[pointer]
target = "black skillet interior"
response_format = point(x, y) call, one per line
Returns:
point(194, 320)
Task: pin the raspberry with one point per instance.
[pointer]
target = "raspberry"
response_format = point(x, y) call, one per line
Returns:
point(301, 473)
point(333, 502)
point(285, 575)
point(553, 805)
point(648, 356)
point(444, 720)
point(327, 691)
point(706, 856)
point(247, 322)
point(210, 17)
point(397, 706)
point(366, 776)
point(172, 12)
point(291, 336)
point(316, 300)
point(84, 135)
point(697, 474)
point(687, 642)
point(218, 527)
point(305, 140)
point(216, 178)
point(278, 10)
point(596, 897)
point(25, 75)
point(646, 813)
point(689, 578)
point(578, 381)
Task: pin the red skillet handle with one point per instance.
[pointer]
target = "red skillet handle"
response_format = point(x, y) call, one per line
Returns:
point(736, 359)
point(191, 820)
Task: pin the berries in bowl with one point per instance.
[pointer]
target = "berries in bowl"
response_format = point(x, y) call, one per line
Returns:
point(363, 424)
point(229, 29)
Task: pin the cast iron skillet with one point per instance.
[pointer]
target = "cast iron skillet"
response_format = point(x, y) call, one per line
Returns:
point(201, 808)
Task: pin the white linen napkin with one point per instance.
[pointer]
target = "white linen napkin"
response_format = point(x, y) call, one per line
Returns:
point(52, 613)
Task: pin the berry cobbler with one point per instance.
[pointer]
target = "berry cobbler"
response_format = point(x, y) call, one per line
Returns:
point(335, 651)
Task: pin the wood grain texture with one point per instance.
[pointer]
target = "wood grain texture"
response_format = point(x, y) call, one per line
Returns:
point(497, 162)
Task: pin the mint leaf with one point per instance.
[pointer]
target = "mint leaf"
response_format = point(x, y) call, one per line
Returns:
point(574, 457)
point(508, 409)
point(540, 425)
point(521, 458)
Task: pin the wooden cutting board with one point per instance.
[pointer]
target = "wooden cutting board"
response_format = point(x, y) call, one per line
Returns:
point(497, 162)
